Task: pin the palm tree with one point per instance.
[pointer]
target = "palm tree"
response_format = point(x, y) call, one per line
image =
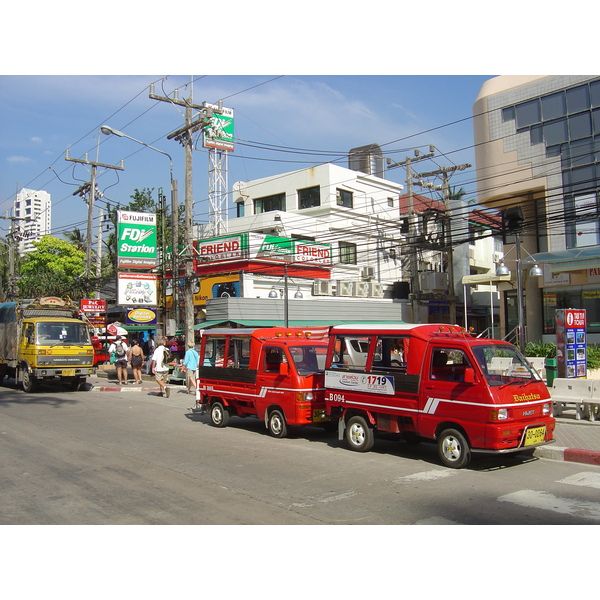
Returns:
point(77, 238)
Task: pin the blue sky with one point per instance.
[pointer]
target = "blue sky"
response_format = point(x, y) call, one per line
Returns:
point(325, 116)
point(68, 80)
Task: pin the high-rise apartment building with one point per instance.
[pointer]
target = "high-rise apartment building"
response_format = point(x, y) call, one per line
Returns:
point(36, 206)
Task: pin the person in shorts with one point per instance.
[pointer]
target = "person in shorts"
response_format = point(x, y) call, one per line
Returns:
point(160, 369)
point(120, 349)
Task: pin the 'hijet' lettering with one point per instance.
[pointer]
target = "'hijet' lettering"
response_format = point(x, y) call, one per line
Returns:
point(143, 248)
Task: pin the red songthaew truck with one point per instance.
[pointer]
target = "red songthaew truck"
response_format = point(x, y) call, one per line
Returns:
point(275, 374)
point(434, 382)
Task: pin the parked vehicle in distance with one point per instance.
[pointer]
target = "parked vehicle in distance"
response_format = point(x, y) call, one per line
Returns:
point(434, 382)
point(274, 374)
point(44, 340)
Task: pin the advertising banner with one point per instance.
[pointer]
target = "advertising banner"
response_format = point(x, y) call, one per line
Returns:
point(219, 134)
point(137, 289)
point(93, 306)
point(359, 382)
point(140, 316)
point(571, 345)
point(136, 240)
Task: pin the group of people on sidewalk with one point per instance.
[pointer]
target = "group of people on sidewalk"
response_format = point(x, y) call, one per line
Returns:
point(157, 357)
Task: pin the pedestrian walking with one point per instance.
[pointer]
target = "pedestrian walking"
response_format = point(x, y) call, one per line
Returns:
point(136, 360)
point(148, 347)
point(160, 367)
point(190, 363)
point(120, 349)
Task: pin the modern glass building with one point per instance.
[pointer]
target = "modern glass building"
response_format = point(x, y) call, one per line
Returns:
point(538, 146)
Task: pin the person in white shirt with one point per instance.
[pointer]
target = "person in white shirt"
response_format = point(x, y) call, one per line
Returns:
point(120, 348)
point(160, 369)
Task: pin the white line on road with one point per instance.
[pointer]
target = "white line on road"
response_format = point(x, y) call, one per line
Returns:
point(585, 479)
point(546, 501)
point(426, 476)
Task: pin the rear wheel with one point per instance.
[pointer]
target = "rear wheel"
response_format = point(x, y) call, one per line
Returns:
point(276, 424)
point(453, 449)
point(359, 434)
point(219, 416)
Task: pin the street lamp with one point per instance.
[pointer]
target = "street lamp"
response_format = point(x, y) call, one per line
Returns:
point(106, 130)
point(535, 271)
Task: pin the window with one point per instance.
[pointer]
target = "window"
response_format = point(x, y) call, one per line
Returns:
point(554, 106)
point(580, 126)
point(273, 357)
point(449, 364)
point(578, 99)
point(508, 114)
point(390, 202)
point(528, 113)
point(587, 231)
point(595, 93)
point(344, 198)
point(555, 132)
point(269, 203)
point(309, 197)
point(347, 253)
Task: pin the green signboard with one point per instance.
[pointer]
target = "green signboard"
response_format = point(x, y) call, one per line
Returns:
point(136, 240)
point(219, 134)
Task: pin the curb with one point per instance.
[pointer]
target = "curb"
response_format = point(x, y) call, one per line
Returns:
point(590, 457)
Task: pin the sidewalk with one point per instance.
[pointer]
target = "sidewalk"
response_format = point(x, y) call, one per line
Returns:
point(576, 440)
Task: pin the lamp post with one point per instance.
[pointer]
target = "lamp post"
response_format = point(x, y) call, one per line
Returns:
point(105, 129)
point(535, 271)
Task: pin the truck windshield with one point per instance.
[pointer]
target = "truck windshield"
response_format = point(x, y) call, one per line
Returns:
point(308, 359)
point(504, 364)
point(66, 332)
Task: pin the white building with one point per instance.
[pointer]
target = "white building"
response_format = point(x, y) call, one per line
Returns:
point(34, 205)
point(356, 213)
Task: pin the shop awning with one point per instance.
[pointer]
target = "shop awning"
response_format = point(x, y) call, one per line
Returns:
point(568, 260)
point(484, 278)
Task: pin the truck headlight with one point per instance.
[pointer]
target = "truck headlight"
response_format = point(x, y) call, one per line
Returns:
point(547, 408)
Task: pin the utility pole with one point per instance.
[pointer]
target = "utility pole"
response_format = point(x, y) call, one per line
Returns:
point(184, 136)
point(92, 190)
point(14, 237)
point(445, 173)
point(412, 226)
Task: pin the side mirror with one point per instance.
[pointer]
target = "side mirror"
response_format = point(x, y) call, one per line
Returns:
point(469, 375)
point(284, 368)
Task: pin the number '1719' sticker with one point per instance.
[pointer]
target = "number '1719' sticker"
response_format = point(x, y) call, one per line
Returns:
point(360, 382)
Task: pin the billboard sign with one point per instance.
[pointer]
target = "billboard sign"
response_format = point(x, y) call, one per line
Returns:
point(136, 240)
point(137, 289)
point(571, 344)
point(93, 305)
point(219, 133)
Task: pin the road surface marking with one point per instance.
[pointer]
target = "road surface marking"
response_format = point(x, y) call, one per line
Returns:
point(585, 479)
point(546, 501)
point(426, 476)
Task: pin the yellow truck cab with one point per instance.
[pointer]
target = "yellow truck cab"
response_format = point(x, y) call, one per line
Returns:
point(44, 340)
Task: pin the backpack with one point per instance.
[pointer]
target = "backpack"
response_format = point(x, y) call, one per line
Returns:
point(167, 356)
point(119, 350)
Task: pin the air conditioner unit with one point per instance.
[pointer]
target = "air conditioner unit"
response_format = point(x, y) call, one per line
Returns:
point(344, 288)
point(360, 289)
point(375, 289)
point(321, 287)
point(367, 272)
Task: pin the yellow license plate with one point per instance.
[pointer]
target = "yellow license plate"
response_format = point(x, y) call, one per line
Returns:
point(535, 435)
point(68, 372)
point(319, 415)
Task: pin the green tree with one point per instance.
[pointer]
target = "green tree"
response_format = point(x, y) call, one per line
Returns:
point(77, 238)
point(54, 268)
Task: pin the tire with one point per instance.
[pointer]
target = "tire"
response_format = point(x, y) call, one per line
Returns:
point(276, 424)
point(77, 385)
point(359, 435)
point(453, 449)
point(30, 383)
point(219, 415)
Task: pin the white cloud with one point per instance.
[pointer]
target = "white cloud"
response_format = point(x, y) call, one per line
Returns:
point(36, 140)
point(18, 159)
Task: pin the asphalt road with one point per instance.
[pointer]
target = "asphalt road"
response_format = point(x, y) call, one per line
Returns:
point(132, 458)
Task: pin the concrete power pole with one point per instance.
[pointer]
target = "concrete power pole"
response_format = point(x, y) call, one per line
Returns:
point(445, 173)
point(184, 137)
point(412, 227)
point(91, 198)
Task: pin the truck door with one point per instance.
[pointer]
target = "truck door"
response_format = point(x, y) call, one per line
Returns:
point(272, 379)
point(450, 393)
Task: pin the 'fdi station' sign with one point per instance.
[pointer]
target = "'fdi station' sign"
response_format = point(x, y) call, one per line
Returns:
point(136, 241)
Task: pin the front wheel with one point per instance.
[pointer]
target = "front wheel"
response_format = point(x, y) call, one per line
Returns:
point(359, 434)
point(276, 424)
point(219, 416)
point(29, 382)
point(453, 449)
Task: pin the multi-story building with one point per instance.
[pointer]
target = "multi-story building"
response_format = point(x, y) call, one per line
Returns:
point(36, 207)
point(537, 144)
